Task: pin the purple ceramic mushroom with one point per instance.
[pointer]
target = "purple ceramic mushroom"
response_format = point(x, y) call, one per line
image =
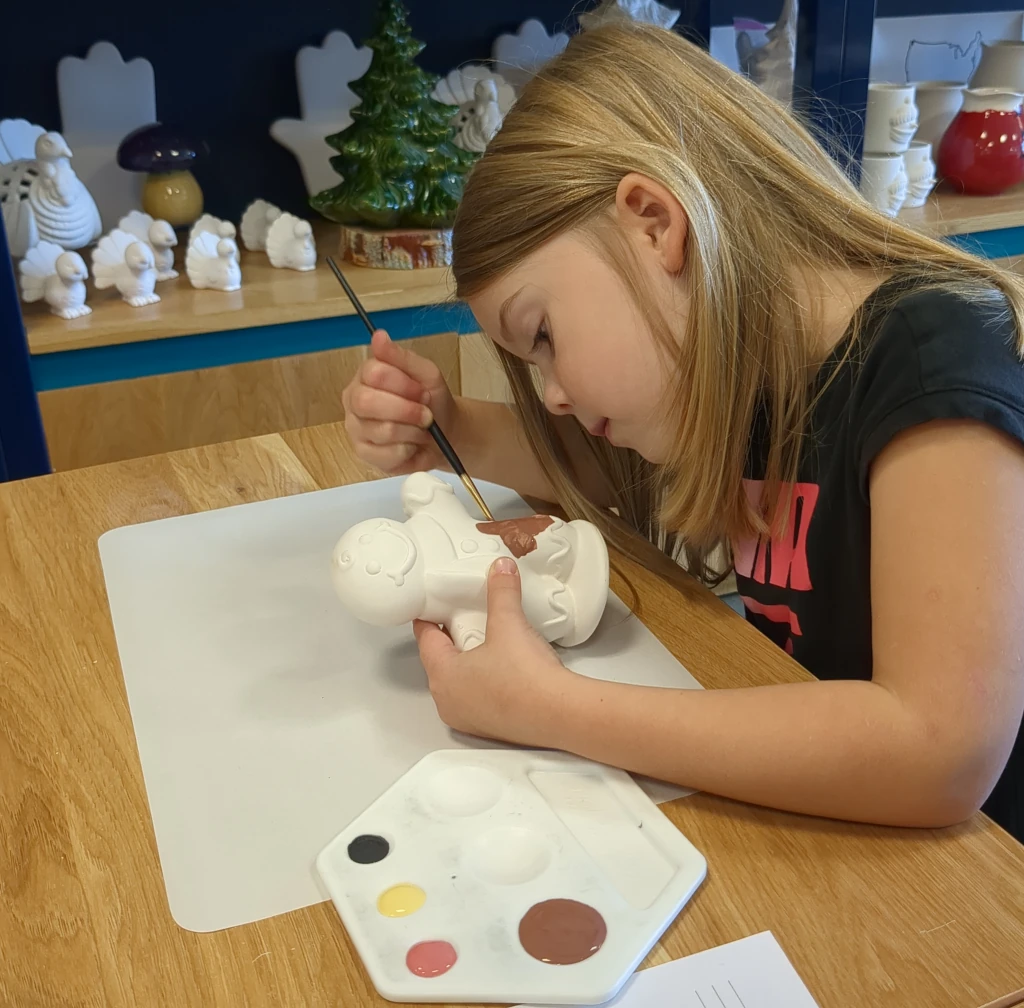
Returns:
point(166, 154)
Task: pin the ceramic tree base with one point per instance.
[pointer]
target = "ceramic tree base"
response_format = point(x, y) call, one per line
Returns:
point(400, 248)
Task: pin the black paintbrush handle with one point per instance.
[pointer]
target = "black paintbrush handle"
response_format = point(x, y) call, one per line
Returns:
point(356, 303)
point(446, 449)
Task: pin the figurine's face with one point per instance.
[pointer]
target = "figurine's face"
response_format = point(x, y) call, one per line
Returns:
point(226, 248)
point(162, 234)
point(138, 257)
point(378, 573)
point(52, 145)
point(71, 267)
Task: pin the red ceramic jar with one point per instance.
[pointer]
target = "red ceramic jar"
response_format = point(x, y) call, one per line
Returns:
point(982, 153)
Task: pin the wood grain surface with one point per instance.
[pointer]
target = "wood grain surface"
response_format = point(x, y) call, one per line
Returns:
point(268, 296)
point(91, 424)
point(949, 213)
point(869, 916)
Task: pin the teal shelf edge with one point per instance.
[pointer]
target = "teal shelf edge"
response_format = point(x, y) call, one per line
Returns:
point(992, 244)
point(93, 365)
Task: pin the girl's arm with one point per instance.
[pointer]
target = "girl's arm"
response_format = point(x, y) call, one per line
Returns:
point(921, 744)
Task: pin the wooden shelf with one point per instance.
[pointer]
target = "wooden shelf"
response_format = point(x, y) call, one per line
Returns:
point(949, 213)
point(268, 297)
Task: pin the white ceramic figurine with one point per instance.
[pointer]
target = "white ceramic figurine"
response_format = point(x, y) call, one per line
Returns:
point(214, 225)
point(50, 274)
point(212, 262)
point(434, 567)
point(290, 243)
point(122, 261)
point(158, 235)
point(256, 221)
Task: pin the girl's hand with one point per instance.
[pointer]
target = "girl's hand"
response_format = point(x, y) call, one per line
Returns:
point(512, 687)
point(389, 405)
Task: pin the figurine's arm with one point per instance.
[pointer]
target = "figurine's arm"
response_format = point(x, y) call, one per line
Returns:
point(467, 628)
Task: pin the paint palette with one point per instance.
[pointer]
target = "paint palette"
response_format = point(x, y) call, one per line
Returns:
point(508, 876)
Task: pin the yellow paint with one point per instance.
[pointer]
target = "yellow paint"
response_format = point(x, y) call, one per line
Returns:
point(401, 900)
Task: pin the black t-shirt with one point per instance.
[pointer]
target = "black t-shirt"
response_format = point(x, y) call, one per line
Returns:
point(933, 355)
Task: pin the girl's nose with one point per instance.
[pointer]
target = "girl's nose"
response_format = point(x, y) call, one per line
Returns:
point(555, 399)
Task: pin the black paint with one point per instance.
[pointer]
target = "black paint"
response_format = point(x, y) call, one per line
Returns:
point(368, 849)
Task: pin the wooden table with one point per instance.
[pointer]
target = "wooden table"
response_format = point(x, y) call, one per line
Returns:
point(869, 916)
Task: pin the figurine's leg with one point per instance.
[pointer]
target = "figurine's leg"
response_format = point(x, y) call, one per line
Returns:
point(142, 300)
point(467, 628)
point(168, 274)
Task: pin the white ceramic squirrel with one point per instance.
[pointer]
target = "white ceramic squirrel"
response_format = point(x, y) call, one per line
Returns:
point(434, 567)
point(255, 224)
point(290, 243)
point(120, 260)
point(50, 274)
point(213, 262)
point(158, 235)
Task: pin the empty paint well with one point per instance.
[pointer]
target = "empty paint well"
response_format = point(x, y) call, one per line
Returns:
point(431, 958)
point(401, 900)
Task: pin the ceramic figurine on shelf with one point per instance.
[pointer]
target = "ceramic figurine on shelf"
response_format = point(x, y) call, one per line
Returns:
point(290, 244)
point(158, 235)
point(122, 261)
point(891, 119)
point(212, 262)
point(883, 182)
point(483, 98)
point(256, 221)
point(982, 152)
point(771, 66)
point(434, 567)
point(920, 169)
point(612, 11)
point(43, 199)
point(167, 154)
point(50, 274)
point(214, 225)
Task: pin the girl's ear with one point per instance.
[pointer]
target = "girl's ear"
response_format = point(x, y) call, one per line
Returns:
point(654, 217)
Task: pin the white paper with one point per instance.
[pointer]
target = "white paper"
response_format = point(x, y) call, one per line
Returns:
point(750, 973)
point(937, 47)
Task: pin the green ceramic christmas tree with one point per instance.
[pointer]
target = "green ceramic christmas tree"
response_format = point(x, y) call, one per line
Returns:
point(399, 166)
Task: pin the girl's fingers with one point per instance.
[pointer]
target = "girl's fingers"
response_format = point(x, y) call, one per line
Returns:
point(389, 378)
point(365, 403)
point(390, 458)
point(387, 351)
point(384, 432)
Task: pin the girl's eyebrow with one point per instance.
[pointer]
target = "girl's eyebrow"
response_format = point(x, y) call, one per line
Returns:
point(506, 307)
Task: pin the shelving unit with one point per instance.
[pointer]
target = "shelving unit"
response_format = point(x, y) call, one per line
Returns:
point(949, 213)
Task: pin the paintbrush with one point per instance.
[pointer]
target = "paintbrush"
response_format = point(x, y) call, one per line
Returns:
point(435, 432)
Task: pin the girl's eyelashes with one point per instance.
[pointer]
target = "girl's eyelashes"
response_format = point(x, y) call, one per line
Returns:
point(542, 338)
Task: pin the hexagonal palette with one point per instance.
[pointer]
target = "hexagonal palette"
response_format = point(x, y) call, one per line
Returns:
point(508, 876)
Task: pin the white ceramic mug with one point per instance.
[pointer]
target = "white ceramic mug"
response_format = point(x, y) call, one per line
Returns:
point(891, 119)
point(883, 182)
point(937, 105)
point(1001, 66)
point(920, 169)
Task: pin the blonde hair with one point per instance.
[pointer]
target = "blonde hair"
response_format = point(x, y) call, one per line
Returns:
point(764, 203)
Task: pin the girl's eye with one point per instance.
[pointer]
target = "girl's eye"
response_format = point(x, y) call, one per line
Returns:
point(542, 338)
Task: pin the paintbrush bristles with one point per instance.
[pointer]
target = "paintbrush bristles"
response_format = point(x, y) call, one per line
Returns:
point(475, 494)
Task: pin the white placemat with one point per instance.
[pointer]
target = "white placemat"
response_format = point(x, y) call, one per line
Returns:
point(266, 717)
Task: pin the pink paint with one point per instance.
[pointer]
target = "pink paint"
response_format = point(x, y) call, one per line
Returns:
point(431, 958)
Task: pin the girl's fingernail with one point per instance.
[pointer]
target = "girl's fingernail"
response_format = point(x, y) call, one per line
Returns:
point(504, 565)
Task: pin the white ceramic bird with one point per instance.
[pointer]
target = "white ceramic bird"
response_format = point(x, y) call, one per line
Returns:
point(120, 260)
point(214, 225)
point(290, 244)
point(483, 96)
point(610, 11)
point(212, 262)
point(256, 221)
point(50, 274)
point(158, 235)
point(43, 199)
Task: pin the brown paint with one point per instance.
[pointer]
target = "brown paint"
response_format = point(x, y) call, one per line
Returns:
point(518, 534)
point(562, 932)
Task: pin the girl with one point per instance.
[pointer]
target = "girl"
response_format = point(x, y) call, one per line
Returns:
point(713, 341)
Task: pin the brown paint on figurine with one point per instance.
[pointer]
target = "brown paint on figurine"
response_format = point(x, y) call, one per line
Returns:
point(562, 931)
point(518, 534)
